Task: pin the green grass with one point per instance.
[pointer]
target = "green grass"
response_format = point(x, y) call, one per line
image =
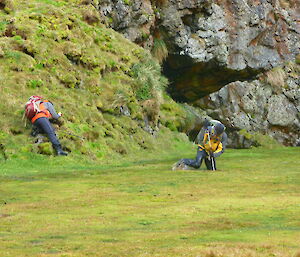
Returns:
point(139, 207)
point(59, 50)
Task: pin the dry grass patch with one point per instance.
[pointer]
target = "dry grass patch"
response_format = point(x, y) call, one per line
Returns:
point(243, 250)
point(276, 77)
point(160, 50)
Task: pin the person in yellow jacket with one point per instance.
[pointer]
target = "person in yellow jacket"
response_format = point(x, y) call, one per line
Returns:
point(211, 140)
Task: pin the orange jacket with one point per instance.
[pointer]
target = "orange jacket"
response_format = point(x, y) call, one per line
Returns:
point(42, 113)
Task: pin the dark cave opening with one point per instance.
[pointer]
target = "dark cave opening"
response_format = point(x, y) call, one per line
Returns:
point(190, 81)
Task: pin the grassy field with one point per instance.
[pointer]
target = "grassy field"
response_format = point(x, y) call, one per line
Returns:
point(57, 207)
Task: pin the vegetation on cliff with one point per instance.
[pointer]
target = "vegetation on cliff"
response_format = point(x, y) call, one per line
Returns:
point(110, 91)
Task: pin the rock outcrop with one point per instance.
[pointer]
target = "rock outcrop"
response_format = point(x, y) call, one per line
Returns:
point(134, 19)
point(264, 106)
point(212, 43)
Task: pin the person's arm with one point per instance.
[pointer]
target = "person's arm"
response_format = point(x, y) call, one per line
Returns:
point(200, 137)
point(219, 150)
point(221, 146)
point(51, 109)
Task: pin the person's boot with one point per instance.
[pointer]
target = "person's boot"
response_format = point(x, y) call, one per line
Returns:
point(59, 151)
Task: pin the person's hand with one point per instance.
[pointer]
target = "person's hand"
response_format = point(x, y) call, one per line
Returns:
point(211, 154)
point(59, 114)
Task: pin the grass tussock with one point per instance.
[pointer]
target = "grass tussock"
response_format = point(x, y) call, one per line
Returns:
point(149, 82)
point(276, 77)
point(159, 50)
point(6, 5)
point(298, 59)
point(288, 4)
point(160, 3)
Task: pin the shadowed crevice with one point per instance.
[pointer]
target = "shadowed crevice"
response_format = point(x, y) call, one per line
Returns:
point(190, 81)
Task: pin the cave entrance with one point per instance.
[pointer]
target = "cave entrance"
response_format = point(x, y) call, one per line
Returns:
point(191, 80)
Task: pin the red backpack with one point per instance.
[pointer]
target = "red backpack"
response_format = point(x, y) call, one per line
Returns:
point(32, 106)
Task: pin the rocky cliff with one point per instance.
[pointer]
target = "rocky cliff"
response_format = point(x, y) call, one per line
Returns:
point(269, 105)
point(207, 44)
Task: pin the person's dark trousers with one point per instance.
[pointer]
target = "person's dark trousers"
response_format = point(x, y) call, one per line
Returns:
point(201, 154)
point(210, 163)
point(44, 125)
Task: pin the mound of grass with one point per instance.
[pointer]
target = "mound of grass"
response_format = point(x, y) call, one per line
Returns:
point(59, 50)
point(260, 140)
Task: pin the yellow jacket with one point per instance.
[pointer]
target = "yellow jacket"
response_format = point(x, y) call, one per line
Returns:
point(215, 145)
point(211, 145)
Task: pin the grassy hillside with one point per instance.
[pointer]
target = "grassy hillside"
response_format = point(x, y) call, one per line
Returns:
point(250, 207)
point(59, 50)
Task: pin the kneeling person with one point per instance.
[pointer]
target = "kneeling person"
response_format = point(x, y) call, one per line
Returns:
point(211, 141)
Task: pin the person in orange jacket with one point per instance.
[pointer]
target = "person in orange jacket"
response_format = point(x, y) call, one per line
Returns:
point(211, 140)
point(41, 124)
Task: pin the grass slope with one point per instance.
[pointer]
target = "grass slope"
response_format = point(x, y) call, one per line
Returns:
point(60, 50)
point(250, 207)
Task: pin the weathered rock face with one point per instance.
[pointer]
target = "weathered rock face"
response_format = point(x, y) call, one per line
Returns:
point(134, 19)
point(228, 41)
point(258, 106)
point(212, 43)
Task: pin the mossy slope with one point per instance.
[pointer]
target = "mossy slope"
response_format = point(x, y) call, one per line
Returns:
point(60, 50)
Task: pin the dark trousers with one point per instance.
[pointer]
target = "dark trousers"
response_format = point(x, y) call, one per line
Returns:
point(210, 162)
point(44, 126)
